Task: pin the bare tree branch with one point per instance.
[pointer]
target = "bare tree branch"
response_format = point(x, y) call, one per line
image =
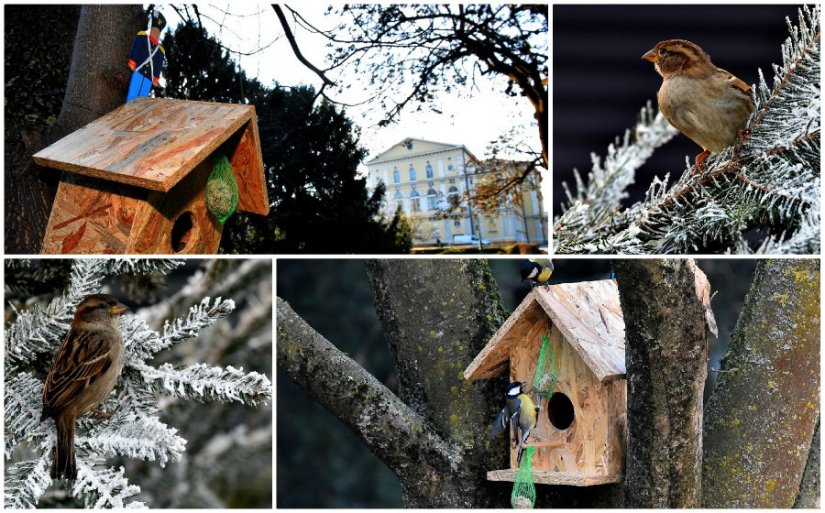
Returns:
point(296, 50)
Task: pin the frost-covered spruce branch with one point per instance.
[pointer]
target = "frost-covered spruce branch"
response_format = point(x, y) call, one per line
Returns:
point(769, 179)
point(135, 430)
point(595, 210)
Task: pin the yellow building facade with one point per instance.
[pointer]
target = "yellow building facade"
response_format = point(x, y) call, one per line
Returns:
point(430, 180)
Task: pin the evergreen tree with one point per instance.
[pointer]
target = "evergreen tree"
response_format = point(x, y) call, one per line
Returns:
point(311, 154)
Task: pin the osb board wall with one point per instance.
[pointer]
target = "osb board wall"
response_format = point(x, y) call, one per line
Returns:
point(92, 216)
point(594, 443)
point(153, 234)
point(248, 167)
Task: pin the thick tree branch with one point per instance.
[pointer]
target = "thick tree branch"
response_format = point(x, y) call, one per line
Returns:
point(762, 414)
point(666, 357)
point(387, 426)
point(297, 51)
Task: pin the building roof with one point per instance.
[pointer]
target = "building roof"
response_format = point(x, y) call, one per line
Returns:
point(587, 314)
point(392, 153)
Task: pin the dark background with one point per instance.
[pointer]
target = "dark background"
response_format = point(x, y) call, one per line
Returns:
point(320, 463)
point(600, 82)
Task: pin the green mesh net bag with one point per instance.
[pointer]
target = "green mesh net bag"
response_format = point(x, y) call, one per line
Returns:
point(524, 490)
point(222, 191)
point(544, 381)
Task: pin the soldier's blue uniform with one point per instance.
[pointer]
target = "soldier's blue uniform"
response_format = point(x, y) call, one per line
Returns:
point(146, 60)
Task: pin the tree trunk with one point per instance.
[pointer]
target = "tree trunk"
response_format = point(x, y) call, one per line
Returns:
point(809, 490)
point(97, 84)
point(437, 315)
point(666, 358)
point(762, 415)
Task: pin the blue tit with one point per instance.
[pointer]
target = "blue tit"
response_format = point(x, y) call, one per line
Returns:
point(536, 273)
point(520, 412)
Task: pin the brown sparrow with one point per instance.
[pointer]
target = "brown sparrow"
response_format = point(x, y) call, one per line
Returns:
point(83, 373)
point(707, 104)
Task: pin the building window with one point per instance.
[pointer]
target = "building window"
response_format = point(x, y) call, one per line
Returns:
point(450, 167)
point(412, 174)
point(457, 224)
point(453, 197)
point(399, 201)
point(429, 170)
point(415, 202)
point(396, 176)
point(432, 203)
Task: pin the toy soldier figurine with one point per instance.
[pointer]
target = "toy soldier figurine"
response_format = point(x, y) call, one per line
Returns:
point(147, 59)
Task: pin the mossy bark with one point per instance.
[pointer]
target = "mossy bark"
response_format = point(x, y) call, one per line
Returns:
point(435, 437)
point(666, 359)
point(437, 315)
point(810, 489)
point(762, 414)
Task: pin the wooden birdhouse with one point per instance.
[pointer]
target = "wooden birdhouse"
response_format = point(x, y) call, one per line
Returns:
point(579, 437)
point(135, 180)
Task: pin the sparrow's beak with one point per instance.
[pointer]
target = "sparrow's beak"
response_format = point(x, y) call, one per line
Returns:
point(651, 56)
point(118, 309)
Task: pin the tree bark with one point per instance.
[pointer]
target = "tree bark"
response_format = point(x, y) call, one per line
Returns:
point(435, 437)
point(763, 412)
point(810, 490)
point(666, 358)
point(388, 427)
point(437, 315)
point(97, 84)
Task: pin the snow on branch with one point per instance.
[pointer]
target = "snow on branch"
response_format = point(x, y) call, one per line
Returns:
point(39, 330)
point(200, 316)
point(592, 211)
point(143, 342)
point(135, 429)
point(204, 383)
point(25, 483)
point(99, 487)
point(768, 180)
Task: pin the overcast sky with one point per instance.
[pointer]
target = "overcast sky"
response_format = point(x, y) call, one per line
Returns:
point(473, 120)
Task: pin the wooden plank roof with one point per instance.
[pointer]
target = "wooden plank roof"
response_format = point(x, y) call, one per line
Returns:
point(150, 143)
point(587, 314)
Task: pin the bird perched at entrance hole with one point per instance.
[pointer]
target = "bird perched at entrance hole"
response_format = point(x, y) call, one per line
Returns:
point(707, 104)
point(83, 373)
point(520, 412)
point(536, 273)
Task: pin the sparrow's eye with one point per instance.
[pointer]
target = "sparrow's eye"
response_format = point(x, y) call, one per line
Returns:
point(662, 51)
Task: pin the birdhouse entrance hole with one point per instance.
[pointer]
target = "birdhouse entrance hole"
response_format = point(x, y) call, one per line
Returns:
point(560, 411)
point(182, 231)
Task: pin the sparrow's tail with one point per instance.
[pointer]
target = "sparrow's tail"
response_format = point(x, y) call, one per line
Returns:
point(64, 464)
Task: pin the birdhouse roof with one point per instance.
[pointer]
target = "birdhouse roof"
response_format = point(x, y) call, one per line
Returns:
point(153, 143)
point(587, 314)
